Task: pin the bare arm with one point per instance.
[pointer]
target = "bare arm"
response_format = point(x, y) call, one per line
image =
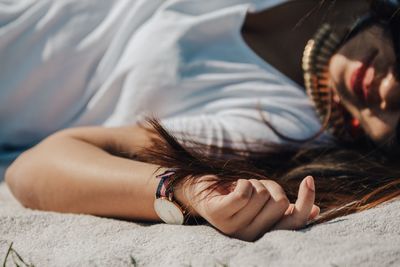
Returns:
point(72, 171)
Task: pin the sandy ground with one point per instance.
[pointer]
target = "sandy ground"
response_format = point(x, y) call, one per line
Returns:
point(370, 238)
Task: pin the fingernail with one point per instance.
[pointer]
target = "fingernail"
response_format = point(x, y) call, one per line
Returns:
point(310, 183)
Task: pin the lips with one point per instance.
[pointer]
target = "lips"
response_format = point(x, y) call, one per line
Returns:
point(363, 77)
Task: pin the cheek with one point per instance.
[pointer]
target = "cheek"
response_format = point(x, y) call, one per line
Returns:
point(339, 67)
point(379, 126)
point(389, 92)
point(336, 69)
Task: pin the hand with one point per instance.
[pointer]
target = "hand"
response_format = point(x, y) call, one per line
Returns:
point(298, 214)
point(251, 208)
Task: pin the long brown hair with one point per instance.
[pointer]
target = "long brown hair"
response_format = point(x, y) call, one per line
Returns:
point(348, 178)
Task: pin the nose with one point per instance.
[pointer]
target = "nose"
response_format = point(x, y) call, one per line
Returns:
point(389, 92)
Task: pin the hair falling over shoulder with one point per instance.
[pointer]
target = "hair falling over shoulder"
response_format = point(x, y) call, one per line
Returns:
point(347, 179)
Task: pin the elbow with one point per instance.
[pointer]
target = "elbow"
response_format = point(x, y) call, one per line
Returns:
point(19, 178)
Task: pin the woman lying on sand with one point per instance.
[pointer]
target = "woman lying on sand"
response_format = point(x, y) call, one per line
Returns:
point(236, 142)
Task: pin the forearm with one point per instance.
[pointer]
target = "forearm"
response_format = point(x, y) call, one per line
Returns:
point(74, 171)
point(70, 175)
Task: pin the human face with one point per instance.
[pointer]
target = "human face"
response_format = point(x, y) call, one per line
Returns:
point(363, 79)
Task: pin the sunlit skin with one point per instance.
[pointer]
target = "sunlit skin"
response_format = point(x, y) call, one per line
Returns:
point(379, 111)
point(93, 170)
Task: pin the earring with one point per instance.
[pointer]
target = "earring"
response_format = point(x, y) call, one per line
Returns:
point(355, 123)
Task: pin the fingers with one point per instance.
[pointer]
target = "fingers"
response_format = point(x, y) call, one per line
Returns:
point(314, 212)
point(271, 212)
point(233, 202)
point(257, 206)
point(289, 210)
point(259, 197)
point(302, 209)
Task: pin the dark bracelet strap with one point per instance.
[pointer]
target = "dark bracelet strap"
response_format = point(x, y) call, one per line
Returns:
point(164, 189)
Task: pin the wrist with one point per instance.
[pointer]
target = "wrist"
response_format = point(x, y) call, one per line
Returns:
point(183, 195)
point(172, 203)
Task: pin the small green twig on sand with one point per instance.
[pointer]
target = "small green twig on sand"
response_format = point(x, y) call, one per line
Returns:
point(17, 259)
point(8, 253)
point(133, 261)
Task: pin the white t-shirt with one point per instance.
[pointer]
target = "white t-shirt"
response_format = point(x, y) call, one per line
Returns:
point(67, 63)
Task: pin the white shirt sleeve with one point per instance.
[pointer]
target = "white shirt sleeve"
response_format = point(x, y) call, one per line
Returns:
point(245, 131)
